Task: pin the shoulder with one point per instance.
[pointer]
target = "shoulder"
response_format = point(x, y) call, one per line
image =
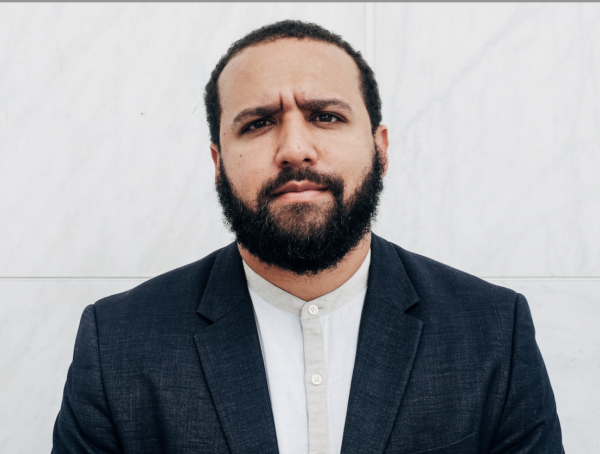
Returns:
point(448, 296)
point(433, 277)
point(181, 288)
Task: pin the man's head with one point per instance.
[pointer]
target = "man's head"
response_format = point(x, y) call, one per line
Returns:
point(299, 153)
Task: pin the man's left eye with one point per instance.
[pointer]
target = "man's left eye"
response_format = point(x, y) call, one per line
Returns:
point(327, 118)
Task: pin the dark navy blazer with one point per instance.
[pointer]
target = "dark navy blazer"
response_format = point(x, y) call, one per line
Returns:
point(446, 364)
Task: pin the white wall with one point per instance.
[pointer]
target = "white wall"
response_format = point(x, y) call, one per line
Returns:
point(106, 177)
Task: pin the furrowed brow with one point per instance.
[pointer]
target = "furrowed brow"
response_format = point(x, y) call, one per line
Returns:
point(256, 112)
point(317, 105)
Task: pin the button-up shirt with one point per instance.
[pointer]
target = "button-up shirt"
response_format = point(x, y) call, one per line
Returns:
point(309, 349)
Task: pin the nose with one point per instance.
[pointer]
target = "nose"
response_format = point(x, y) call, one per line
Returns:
point(296, 149)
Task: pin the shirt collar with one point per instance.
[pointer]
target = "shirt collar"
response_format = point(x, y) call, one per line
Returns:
point(326, 303)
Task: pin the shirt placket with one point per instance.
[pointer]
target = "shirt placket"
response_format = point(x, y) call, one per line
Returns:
point(315, 379)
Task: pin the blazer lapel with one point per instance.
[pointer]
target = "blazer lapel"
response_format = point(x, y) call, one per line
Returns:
point(231, 358)
point(387, 345)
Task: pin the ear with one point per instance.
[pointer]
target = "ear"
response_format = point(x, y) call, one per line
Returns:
point(383, 143)
point(216, 157)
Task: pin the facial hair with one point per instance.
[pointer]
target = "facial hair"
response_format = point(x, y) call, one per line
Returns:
point(303, 238)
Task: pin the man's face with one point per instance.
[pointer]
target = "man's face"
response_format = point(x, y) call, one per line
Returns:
point(294, 107)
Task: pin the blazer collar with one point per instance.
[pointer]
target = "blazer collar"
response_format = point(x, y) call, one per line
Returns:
point(388, 280)
point(387, 345)
point(226, 286)
point(232, 361)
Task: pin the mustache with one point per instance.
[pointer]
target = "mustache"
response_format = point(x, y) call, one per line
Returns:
point(333, 183)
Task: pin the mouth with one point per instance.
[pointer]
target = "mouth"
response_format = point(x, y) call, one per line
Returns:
point(299, 191)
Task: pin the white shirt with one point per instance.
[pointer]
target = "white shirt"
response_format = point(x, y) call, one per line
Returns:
point(309, 350)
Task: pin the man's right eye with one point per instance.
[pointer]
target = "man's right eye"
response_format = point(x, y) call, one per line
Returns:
point(259, 124)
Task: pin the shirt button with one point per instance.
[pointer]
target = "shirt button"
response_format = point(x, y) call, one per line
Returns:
point(316, 379)
point(313, 309)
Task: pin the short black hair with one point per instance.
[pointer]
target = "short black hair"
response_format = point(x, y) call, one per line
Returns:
point(290, 29)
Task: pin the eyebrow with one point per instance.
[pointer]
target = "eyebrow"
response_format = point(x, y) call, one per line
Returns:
point(312, 105)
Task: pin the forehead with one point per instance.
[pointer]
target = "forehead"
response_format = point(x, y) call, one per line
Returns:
point(288, 68)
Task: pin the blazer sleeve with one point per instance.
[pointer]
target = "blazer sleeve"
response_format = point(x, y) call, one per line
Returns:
point(529, 422)
point(84, 423)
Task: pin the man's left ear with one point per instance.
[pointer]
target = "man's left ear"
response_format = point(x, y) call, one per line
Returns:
point(383, 143)
point(216, 157)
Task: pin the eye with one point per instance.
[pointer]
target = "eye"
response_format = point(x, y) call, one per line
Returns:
point(259, 124)
point(327, 118)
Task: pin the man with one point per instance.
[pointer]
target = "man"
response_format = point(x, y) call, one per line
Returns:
point(309, 334)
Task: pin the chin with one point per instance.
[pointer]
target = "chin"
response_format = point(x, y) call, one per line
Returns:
point(301, 218)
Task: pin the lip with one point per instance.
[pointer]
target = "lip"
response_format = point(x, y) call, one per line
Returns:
point(298, 186)
point(299, 192)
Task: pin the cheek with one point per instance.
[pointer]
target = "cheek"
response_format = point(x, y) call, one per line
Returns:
point(352, 162)
point(246, 173)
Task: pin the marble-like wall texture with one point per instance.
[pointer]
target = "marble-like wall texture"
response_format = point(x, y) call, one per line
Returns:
point(106, 177)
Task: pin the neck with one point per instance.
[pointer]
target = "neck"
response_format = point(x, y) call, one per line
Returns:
point(308, 288)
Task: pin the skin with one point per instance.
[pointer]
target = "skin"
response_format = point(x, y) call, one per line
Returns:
point(294, 103)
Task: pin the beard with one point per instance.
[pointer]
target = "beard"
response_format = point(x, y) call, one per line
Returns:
point(303, 238)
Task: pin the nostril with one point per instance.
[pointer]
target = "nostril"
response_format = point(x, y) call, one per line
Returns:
point(306, 160)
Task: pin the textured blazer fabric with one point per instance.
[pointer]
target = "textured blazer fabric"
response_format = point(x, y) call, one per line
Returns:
point(446, 364)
